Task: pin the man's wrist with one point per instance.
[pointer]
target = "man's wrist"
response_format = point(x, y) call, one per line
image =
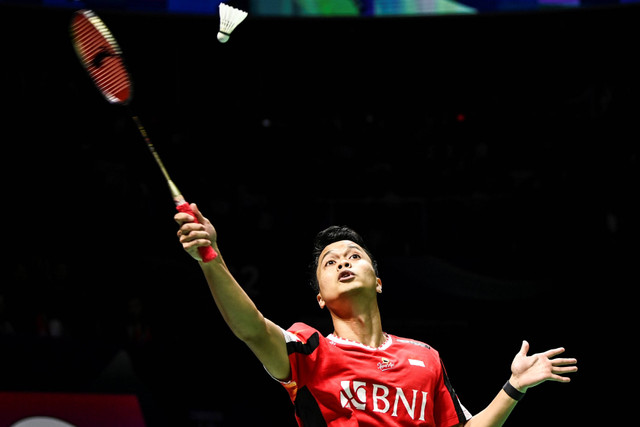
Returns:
point(512, 392)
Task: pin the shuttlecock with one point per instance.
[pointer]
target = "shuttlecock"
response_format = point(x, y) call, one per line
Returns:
point(230, 17)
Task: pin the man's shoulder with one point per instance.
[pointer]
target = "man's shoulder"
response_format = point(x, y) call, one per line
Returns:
point(301, 331)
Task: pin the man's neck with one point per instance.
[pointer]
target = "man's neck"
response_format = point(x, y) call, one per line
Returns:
point(364, 328)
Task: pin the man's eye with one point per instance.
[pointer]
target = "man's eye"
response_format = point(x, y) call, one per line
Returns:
point(357, 256)
point(330, 262)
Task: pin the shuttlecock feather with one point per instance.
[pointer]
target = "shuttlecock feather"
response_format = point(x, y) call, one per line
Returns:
point(230, 17)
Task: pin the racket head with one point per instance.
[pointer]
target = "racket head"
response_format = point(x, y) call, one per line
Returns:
point(101, 56)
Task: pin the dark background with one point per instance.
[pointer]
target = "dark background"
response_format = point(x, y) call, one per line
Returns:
point(490, 161)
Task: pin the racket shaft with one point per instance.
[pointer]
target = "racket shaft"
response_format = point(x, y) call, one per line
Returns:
point(207, 253)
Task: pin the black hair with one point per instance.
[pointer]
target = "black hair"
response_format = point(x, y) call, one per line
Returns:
point(334, 233)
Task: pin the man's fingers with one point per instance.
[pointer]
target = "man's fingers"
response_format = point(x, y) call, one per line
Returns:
point(197, 212)
point(192, 230)
point(182, 218)
point(551, 353)
point(560, 378)
point(564, 361)
point(195, 243)
point(564, 369)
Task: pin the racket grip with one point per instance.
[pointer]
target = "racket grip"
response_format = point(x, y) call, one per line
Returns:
point(207, 253)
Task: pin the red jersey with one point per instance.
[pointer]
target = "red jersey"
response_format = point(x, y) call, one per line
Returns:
point(337, 382)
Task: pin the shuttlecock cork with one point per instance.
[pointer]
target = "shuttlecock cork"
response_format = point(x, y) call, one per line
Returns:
point(230, 17)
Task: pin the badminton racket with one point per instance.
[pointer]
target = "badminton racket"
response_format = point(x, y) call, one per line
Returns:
point(101, 56)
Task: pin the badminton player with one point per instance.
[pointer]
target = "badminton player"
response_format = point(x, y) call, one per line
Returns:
point(358, 375)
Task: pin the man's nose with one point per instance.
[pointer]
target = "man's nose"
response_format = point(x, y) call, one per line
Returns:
point(344, 264)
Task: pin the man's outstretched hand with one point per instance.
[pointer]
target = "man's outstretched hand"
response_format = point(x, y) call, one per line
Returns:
point(529, 371)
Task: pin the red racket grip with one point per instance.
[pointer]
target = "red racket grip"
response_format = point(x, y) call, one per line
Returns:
point(207, 253)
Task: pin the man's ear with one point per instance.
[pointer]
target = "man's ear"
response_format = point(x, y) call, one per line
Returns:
point(379, 285)
point(321, 302)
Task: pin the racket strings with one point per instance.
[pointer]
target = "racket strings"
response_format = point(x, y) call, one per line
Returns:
point(101, 56)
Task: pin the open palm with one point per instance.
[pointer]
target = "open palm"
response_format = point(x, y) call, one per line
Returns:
point(529, 371)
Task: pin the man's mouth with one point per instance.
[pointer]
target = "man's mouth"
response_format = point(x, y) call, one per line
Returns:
point(345, 275)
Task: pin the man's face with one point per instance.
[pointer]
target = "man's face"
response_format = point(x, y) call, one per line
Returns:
point(344, 268)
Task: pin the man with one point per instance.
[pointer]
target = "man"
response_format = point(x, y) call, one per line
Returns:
point(358, 375)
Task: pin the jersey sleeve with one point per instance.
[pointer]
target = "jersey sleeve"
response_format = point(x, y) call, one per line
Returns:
point(448, 411)
point(302, 340)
